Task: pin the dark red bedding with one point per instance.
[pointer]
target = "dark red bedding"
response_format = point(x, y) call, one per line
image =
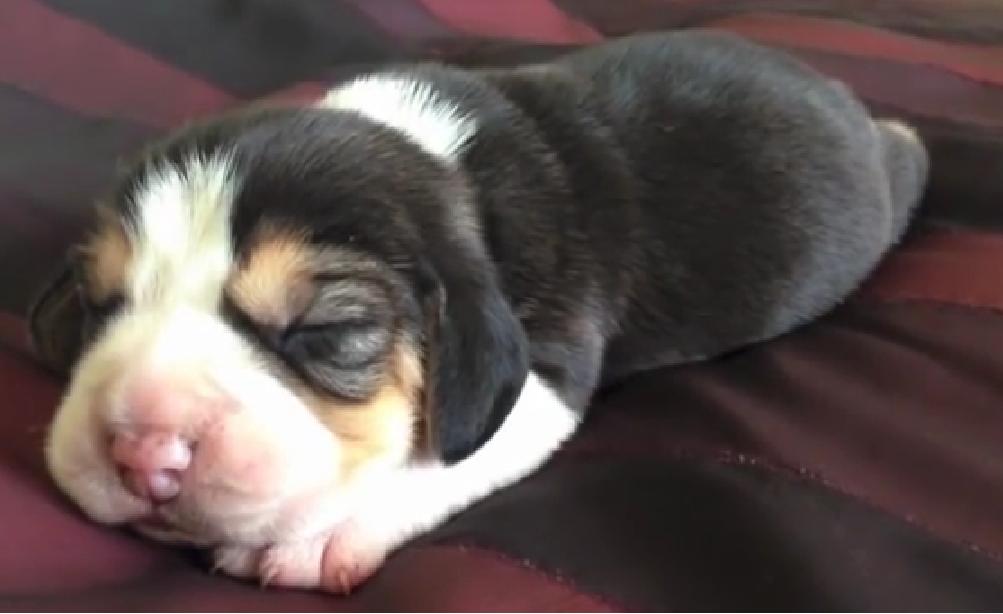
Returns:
point(854, 464)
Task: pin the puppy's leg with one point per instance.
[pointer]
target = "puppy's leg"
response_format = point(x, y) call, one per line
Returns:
point(396, 507)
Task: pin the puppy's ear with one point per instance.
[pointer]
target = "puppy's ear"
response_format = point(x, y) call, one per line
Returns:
point(477, 361)
point(57, 319)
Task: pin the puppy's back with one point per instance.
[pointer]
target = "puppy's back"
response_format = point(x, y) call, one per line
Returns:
point(765, 192)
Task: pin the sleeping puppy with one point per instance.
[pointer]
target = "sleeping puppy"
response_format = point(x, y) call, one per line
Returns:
point(301, 336)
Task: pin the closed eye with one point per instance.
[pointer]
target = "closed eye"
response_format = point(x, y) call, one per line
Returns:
point(336, 335)
point(355, 343)
point(104, 309)
point(342, 356)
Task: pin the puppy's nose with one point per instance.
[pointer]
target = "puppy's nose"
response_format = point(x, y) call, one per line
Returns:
point(152, 463)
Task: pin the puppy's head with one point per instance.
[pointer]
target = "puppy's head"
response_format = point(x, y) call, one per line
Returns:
point(270, 312)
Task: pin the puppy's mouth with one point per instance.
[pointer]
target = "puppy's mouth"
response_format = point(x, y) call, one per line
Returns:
point(182, 523)
point(197, 519)
point(156, 526)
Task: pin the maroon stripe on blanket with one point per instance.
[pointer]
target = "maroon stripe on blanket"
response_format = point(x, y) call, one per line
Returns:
point(246, 48)
point(923, 91)
point(403, 19)
point(960, 267)
point(893, 403)
point(81, 68)
point(37, 521)
point(529, 20)
point(30, 397)
point(431, 579)
point(980, 63)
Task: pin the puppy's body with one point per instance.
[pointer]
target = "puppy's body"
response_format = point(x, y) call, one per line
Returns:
point(431, 271)
point(668, 198)
point(677, 196)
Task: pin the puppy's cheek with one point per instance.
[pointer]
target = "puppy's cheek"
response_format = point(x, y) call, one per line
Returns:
point(77, 458)
point(247, 460)
point(266, 453)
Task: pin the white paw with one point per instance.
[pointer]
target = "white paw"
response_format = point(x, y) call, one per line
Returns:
point(237, 561)
point(351, 556)
point(293, 564)
point(337, 561)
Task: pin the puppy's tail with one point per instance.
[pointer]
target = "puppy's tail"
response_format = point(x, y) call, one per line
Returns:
point(907, 165)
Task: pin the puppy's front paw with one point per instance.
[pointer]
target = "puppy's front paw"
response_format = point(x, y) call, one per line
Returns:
point(237, 561)
point(351, 556)
point(337, 561)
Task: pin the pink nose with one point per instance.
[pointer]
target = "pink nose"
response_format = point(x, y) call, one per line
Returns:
point(152, 464)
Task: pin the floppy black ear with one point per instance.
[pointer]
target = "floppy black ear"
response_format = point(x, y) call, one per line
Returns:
point(56, 320)
point(478, 360)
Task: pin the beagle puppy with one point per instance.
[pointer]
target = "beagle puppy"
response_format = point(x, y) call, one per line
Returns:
point(299, 336)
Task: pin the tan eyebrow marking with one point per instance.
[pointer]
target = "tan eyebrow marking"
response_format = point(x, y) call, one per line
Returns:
point(273, 283)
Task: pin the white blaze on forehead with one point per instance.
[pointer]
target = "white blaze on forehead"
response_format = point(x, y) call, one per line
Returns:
point(411, 107)
point(181, 239)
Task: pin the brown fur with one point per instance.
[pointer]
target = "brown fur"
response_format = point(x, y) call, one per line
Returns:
point(106, 256)
point(273, 285)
